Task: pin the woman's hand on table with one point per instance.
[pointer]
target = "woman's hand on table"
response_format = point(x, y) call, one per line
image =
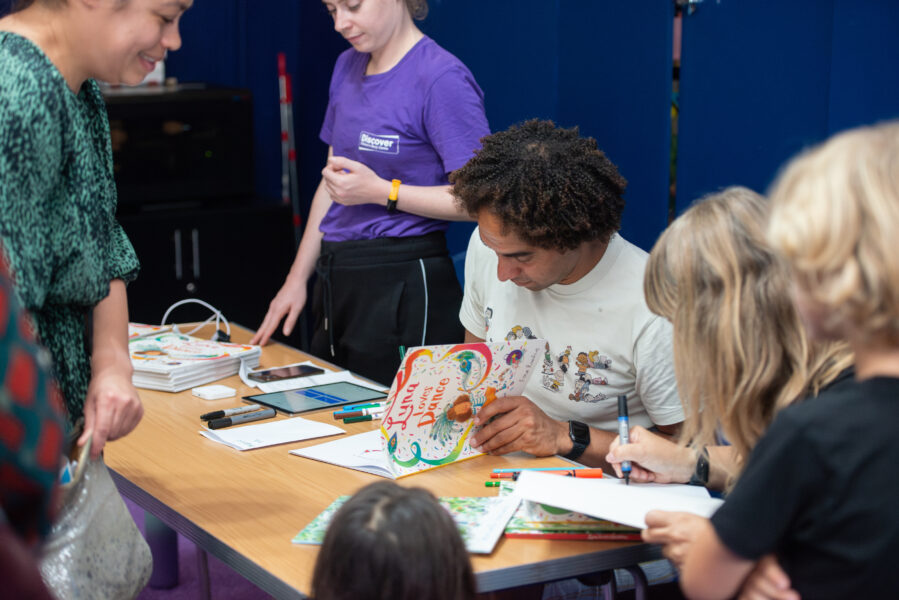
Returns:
point(287, 304)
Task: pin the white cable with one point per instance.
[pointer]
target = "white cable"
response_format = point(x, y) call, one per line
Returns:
point(424, 278)
point(216, 314)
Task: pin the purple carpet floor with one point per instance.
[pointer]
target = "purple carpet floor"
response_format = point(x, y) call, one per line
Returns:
point(224, 583)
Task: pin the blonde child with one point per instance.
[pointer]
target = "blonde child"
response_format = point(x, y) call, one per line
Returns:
point(819, 488)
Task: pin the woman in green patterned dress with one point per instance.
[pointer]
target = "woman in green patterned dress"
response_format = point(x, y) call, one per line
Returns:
point(69, 256)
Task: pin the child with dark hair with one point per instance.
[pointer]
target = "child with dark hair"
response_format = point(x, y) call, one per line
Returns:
point(396, 543)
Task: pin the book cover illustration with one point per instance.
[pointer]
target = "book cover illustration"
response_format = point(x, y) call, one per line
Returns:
point(480, 520)
point(136, 330)
point(437, 392)
point(536, 520)
point(172, 352)
point(173, 362)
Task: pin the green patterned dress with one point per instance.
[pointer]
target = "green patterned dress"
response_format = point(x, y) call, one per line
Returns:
point(57, 206)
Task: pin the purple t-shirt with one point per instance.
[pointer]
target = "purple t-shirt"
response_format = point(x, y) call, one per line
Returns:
point(417, 122)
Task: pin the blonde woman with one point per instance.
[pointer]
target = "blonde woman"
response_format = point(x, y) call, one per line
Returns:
point(740, 352)
point(819, 489)
point(740, 355)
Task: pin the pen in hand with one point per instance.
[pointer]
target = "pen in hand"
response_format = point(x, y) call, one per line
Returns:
point(622, 436)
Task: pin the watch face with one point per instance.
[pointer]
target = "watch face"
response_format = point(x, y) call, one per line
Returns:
point(579, 432)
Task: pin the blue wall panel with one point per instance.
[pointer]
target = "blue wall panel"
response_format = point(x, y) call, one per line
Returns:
point(511, 47)
point(615, 71)
point(753, 91)
point(760, 81)
point(865, 63)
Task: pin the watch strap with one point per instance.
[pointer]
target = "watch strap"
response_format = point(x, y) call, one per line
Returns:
point(701, 472)
point(580, 438)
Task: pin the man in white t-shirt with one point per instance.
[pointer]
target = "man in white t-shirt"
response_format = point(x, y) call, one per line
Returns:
point(546, 262)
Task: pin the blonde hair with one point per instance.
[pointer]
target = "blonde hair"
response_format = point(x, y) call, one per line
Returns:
point(740, 353)
point(835, 219)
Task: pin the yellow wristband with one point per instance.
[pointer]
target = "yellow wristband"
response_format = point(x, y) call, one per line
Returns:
point(391, 199)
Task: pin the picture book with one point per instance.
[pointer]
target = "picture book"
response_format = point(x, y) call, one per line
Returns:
point(437, 392)
point(173, 362)
point(534, 520)
point(480, 520)
point(609, 498)
point(136, 330)
point(428, 421)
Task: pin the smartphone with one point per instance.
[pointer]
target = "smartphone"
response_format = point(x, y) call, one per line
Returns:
point(279, 373)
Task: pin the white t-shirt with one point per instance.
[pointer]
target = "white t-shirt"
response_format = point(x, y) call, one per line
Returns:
point(602, 340)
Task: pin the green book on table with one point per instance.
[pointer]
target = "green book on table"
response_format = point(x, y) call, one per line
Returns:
point(481, 520)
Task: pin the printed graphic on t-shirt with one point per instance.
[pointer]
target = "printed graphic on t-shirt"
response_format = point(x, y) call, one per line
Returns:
point(584, 366)
point(372, 142)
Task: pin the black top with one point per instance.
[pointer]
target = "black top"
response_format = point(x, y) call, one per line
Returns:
point(821, 490)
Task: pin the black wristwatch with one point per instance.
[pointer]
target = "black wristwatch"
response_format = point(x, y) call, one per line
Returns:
point(701, 472)
point(580, 437)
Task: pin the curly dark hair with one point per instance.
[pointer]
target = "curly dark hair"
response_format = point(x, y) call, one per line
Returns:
point(548, 185)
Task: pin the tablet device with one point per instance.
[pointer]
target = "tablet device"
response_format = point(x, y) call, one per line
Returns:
point(327, 395)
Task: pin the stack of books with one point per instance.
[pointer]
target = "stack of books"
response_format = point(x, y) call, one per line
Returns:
point(533, 520)
point(173, 362)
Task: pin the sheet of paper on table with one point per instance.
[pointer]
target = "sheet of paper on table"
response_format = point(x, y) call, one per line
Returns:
point(283, 431)
point(362, 452)
point(609, 498)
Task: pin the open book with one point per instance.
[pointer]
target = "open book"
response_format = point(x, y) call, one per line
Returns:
point(437, 392)
point(480, 520)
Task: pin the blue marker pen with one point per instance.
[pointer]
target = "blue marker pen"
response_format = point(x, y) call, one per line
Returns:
point(623, 429)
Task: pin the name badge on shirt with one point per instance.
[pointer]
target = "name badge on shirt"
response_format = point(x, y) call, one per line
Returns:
point(386, 144)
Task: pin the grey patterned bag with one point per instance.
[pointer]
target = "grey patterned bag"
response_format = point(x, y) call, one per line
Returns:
point(94, 549)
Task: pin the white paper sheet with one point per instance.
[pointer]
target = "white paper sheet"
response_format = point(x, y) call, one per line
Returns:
point(611, 499)
point(283, 431)
point(362, 452)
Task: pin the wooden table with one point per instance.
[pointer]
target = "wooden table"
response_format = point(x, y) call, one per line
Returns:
point(244, 507)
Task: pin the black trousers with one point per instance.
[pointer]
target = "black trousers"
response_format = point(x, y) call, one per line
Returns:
point(373, 296)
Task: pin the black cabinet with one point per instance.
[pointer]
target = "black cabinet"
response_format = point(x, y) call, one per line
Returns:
point(233, 258)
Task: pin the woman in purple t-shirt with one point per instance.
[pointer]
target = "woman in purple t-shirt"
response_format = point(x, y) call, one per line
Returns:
point(402, 114)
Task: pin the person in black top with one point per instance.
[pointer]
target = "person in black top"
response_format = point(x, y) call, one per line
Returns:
point(819, 488)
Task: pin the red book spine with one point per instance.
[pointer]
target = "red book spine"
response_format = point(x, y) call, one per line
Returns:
point(594, 536)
